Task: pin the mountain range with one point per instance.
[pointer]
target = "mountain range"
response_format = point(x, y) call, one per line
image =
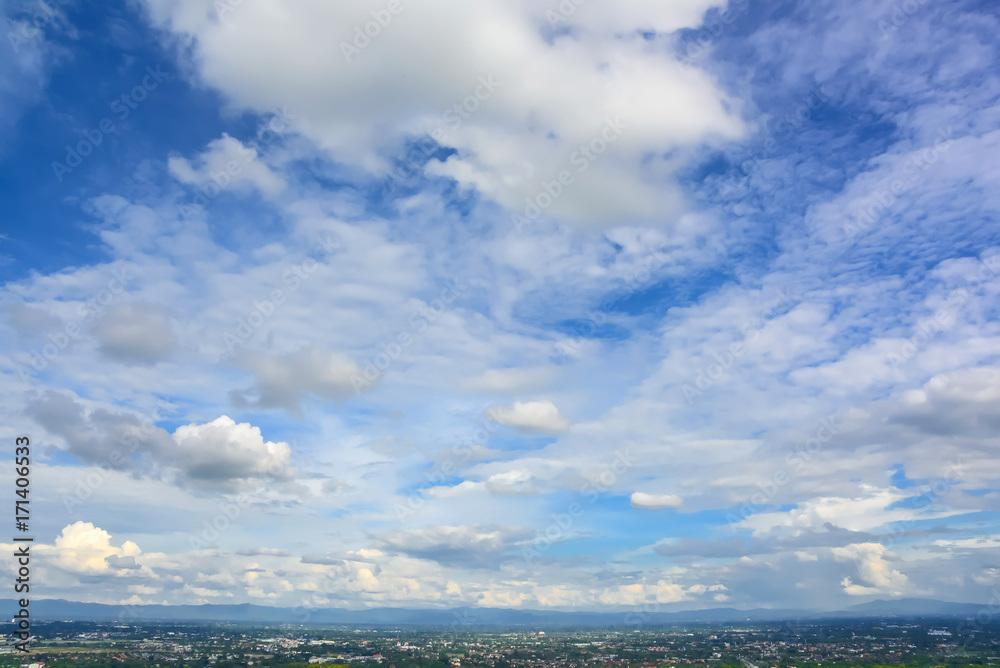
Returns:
point(56, 609)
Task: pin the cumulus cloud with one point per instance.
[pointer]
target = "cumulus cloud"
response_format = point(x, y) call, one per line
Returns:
point(655, 501)
point(637, 594)
point(531, 417)
point(226, 163)
point(83, 547)
point(509, 483)
point(875, 570)
point(225, 450)
point(965, 402)
point(135, 334)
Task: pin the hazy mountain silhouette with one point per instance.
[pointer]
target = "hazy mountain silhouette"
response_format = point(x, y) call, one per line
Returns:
point(475, 617)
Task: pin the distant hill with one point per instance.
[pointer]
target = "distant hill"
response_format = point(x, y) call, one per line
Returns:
point(477, 617)
point(916, 606)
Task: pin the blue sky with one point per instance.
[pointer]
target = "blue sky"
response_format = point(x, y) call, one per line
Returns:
point(514, 304)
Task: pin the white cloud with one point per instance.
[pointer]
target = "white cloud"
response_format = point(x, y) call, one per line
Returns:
point(223, 449)
point(531, 416)
point(143, 590)
point(874, 569)
point(870, 509)
point(511, 381)
point(638, 594)
point(461, 489)
point(550, 96)
point(512, 483)
point(227, 163)
point(82, 547)
point(655, 501)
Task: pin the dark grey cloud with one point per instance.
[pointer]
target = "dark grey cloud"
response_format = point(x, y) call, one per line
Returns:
point(459, 546)
point(135, 334)
point(31, 321)
point(963, 406)
point(127, 563)
point(101, 437)
point(283, 381)
point(221, 454)
point(263, 552)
